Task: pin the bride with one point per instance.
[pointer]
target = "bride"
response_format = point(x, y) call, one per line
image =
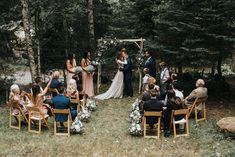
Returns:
point(116, 88)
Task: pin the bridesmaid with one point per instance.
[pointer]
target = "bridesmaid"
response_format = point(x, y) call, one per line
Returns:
point(70, 66)
point(87, 77)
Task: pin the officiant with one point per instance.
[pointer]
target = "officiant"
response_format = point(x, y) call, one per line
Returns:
point(150, 63)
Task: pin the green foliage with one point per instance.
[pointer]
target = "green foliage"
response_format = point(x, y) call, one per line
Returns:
point(6, 80)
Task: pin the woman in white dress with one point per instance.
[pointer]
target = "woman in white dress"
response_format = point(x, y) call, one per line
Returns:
point(117, 86)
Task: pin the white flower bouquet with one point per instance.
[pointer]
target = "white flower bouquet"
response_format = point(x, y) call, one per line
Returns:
point(77, 126)
point(136, 129)
point(85, 114)
point(91, 105)
point(90, 68)
point(78, 69)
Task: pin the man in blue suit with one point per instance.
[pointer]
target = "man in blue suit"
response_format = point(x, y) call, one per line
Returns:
point(150, 63)
point(62, 102)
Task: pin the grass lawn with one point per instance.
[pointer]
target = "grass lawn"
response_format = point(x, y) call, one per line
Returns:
point(107, 135)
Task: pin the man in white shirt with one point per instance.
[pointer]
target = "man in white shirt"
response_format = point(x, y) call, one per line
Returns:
point(164, 77)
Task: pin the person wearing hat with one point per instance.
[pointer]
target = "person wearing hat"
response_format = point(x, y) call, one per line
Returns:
point(164, 76)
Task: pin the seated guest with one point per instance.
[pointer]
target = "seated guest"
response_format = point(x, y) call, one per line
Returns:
point(38, 81)
point(150, 85)
point(15, 96)
point(174, 79)
point(199, 92)
point(62, 102)
point(172, 103)
point(178, 93)
point(71, 90)
point(145, 78)
point(153, 105)
point(38, 98)
point(55, 83)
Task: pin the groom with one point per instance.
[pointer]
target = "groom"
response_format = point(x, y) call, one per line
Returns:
point(127, 71)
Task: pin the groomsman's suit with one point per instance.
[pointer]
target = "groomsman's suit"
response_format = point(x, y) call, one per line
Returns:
point(127, 71)
point(151, 65)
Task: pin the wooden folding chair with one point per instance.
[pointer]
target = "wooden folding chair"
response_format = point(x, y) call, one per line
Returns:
point(36, 115)
point(157, 114)
point(198, 103)
point(184, 121)
point(15, 105)
point(67, 112)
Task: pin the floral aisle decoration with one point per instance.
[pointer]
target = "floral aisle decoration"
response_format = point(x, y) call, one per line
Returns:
point(77, 126)
point(85, 114)
point(91, 105)
point(135, 119)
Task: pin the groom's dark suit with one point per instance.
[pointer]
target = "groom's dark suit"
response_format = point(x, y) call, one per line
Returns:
point(128, 89)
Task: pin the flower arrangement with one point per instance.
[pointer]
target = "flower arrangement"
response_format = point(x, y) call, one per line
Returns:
point(90, 68)
point(85, 114)
point(78, 69)
point(136, 129)
point(77, 126)
point(91, 105)
point(135, 118)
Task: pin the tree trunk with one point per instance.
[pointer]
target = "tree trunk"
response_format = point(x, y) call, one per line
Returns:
point(219, 62)
point(233, 60)
point(28, 39)
point(213, 69)
point(91, 25)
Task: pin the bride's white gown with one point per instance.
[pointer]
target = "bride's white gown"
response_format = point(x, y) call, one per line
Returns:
point(116, 88)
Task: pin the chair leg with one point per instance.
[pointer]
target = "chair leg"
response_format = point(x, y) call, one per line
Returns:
point(40, 126)
point(55, 128)
point(144, 127)
point(19, 122)
point(174, 128)
point(68, 127)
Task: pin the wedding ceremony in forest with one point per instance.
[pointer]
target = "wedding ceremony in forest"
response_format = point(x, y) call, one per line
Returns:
point(117, 78)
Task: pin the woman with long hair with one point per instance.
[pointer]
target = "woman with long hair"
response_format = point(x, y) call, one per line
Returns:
point(117, 86)
point(87, 76)
point(38, 97)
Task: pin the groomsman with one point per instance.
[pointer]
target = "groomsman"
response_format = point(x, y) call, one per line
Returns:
point(150, 63)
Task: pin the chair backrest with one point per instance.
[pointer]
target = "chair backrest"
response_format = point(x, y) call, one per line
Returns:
point(13, 103)
point(181, 112)
point(32, 109)
point(153, 113)
point(198, 100)
point(63, 111)
point(75, 101)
